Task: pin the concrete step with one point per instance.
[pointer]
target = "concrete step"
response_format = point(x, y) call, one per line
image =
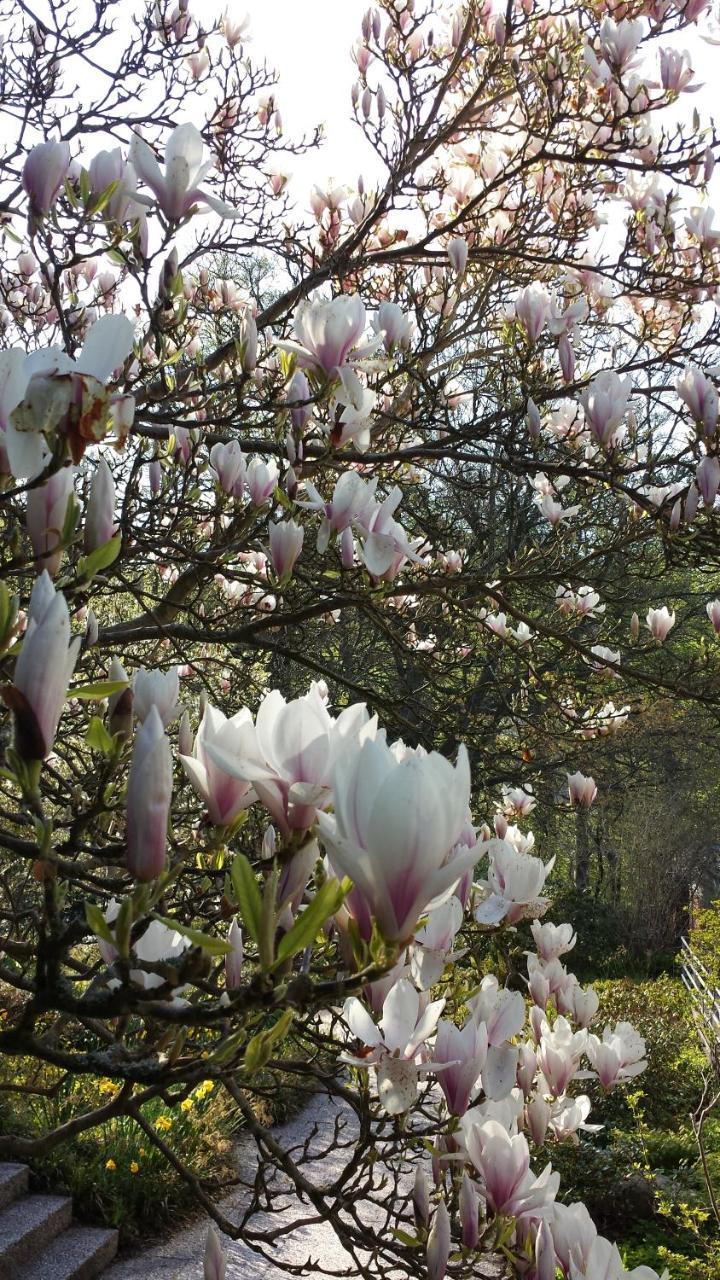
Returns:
point(27, 1226)
point(79, 1253)
point(13, 1182)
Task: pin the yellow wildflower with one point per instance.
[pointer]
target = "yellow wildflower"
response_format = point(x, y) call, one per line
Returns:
point(134, 1166)
point(106, 1086)
point(163, 1123)
point(187, 1104)
point(110, 1165)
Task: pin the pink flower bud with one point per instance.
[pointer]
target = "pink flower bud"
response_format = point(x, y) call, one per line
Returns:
point(214, 1264)
point(713, 613)
point(582, 789)
point(234, 958)
point(438, 1245)
point(45, 516)
point(469, 1207)
point(149, 794)
point(155, 477)
point(532, 419)
point(567, 357)
point(99, 518)
point(660, 622)
point(691, 503)
point(457, 252)
point(634, 627)
point(44, 173)
point(42, 672)
point(421, 1198)
point(707, 478)
point(286, 541)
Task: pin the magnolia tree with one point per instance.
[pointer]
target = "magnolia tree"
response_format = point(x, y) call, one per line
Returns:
point(385, 446)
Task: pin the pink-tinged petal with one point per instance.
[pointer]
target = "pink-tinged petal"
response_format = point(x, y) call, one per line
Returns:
point(108, 344)
point(360, 1023)
point(400, 1014)
point(397, 1085)
point(500, 1070)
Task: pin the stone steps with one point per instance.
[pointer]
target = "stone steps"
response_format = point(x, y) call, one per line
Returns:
point(40, 1241)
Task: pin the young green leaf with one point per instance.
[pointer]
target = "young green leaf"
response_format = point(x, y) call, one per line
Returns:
point(247, 894)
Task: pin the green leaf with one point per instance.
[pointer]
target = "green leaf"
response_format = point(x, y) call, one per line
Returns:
point(261, 1046)
point(98, 924)
point(213, 946)
point(99, 202)
point(326, 902)
point(98, 738)
point(72, 515)
point(97, 690)
point(101, 558)
point(247, 894)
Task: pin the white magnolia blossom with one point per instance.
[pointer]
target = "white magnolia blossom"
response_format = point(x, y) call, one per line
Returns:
point(39, 391)
point(397, 1043)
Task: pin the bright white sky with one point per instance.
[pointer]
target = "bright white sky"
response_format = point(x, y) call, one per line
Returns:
point(309, 43)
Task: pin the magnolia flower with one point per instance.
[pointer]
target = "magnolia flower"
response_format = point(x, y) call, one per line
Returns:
point(553, 940)
point(463, 1053)
point(44, 173)
point(513, 886)
point(286, 541)
point(393, 326)
point(120, 703)
point(605, 402)
point(676, 71)
point(159, 946)
point(47, 392)
point(438, 1244)
point(261, 480)
point(533, 308)
point(214, 1262)
point(398, 815)
point(100, 524)
point(106, 168)
point(602, 1262)
point(395, 1045)
point(42, 672)
point(45, 514)
point(178, 190)
point(707, 478)
point(558, 1054)
point(573, 1233)
point(149, 794)
point(660, 622)
point(228, 463)
point(329, 335)
point(582, 789)
point(159, 689)
point(713, 613)
point(700, 225)
point(605, 656)
point(225, 796)
point(503, 1162)
point(502, 1011)
point(518, 800)
point(352, 497)
point(553, 510)
point(700, 396)
point(234, 958)
point(430, 949)
point(289, 755)
point(618, 1056)
point(457, 251)
point(619, 42)
point(581, 1003)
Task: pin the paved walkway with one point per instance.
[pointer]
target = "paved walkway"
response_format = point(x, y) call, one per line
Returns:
point(181, 1257)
